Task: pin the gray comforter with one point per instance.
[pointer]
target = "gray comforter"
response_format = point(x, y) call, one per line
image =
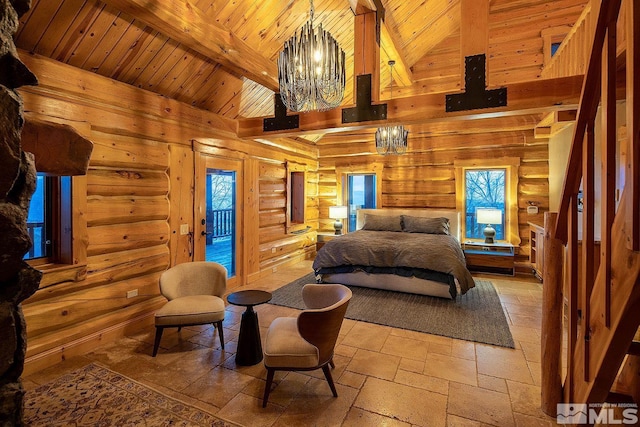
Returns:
point(436, 252)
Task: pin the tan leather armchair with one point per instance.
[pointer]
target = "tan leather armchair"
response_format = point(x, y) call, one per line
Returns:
point(306, 342)
point(194, 291)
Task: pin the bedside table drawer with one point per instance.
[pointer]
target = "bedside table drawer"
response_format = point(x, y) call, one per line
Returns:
point(491, 259)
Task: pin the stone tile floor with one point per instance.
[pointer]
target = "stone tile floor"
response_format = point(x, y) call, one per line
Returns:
point(384, 376)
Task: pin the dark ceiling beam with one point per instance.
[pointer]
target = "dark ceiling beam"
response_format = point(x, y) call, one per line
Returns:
point(539, 96)
point(188, 25)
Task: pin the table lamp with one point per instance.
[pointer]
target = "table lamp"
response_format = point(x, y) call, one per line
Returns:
point(338, 213)
point(488, 217)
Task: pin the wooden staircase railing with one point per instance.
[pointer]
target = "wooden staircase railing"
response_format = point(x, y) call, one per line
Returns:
point(603, 305)
point(572, 56)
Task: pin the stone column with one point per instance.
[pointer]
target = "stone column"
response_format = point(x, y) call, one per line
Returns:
point(18, 281)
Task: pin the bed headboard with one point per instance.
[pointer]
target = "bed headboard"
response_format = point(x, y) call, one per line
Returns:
point(454, 216)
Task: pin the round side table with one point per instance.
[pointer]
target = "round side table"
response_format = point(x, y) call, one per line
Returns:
point(249, 345)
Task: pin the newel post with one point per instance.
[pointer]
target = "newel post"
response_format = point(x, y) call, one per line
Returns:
point(551, 317)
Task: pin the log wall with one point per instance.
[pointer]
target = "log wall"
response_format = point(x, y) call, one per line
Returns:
point(425, 176)
point(138, 190)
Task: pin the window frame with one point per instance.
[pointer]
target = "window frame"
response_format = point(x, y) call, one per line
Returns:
point(551, 36)
point(511, 166)
point(57, 221)
point(342, 175)
point(68, 260)
point(296, 197)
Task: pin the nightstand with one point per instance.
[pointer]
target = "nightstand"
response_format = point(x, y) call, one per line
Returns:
point(490, 257)
point(324, 237)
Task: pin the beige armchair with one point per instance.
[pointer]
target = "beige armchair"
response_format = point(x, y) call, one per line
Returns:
point(306, 342)
point(194, 291)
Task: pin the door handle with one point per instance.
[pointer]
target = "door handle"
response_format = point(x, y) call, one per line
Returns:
point(204, 233)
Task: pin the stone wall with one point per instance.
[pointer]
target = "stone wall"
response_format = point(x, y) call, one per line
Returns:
point(17, 182)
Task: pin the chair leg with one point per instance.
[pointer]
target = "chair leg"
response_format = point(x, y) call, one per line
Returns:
point(220, 333)
point(327, 374)
point(333, 365)
point(267, 387)
point(156, 344)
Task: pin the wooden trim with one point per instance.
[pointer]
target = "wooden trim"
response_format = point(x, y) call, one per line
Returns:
point(81, 346)
point(300, 202)
point(512, 165)
point(538, 96)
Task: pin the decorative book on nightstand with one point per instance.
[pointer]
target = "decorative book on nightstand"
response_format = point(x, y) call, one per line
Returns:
point(490, 257)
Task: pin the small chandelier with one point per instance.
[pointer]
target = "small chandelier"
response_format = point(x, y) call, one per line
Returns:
point(311, 70)
point(391, 139)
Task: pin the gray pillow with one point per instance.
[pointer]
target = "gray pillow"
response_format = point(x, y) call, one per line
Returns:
point(414, 224)
point(382, 223)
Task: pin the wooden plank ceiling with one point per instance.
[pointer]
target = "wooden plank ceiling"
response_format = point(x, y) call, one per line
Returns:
point(161, 46)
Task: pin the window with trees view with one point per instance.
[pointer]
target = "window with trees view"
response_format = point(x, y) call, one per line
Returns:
point(488, 183)
point(484, 188)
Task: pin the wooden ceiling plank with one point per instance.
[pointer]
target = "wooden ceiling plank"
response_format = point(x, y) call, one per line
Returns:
point(524, 98)
point(159, 82)
point(55, 34)
point(77, 30)
point(153, 44)
point(93, 33)
point(431, 36)
point(105, 47)
point(147, 72)
point(390, 51)
point(192, 77)
point(41, 16)
point(190, 26)
point(184, 70)
point(125, 50)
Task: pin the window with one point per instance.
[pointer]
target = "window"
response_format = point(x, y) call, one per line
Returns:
point(492, 184)
point(361, 194)
point(551, 40)
point(49, 221)
point(484, 188)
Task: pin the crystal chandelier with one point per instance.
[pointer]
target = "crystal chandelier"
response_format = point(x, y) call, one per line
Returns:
point(391, 139)
point(311, 70)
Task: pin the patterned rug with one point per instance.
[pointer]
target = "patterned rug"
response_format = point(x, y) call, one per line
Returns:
point(475, 316)
point(97, 396)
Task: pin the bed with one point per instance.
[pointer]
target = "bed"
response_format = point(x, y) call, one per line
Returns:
point(408, 250)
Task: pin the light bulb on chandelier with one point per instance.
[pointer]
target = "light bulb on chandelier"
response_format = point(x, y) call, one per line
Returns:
point(311, 70)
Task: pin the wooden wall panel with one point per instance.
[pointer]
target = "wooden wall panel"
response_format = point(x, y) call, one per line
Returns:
point(424, 177)
point(139, 190)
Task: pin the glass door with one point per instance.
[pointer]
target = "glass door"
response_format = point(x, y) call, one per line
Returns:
point(361, 194)
point(218, 215)
point(220, 237)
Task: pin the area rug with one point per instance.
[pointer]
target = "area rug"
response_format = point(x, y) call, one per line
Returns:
point(97, 396)
point(476, 316)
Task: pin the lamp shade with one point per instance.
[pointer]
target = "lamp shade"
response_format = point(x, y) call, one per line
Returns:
point(488, 216)
point(338, 212)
